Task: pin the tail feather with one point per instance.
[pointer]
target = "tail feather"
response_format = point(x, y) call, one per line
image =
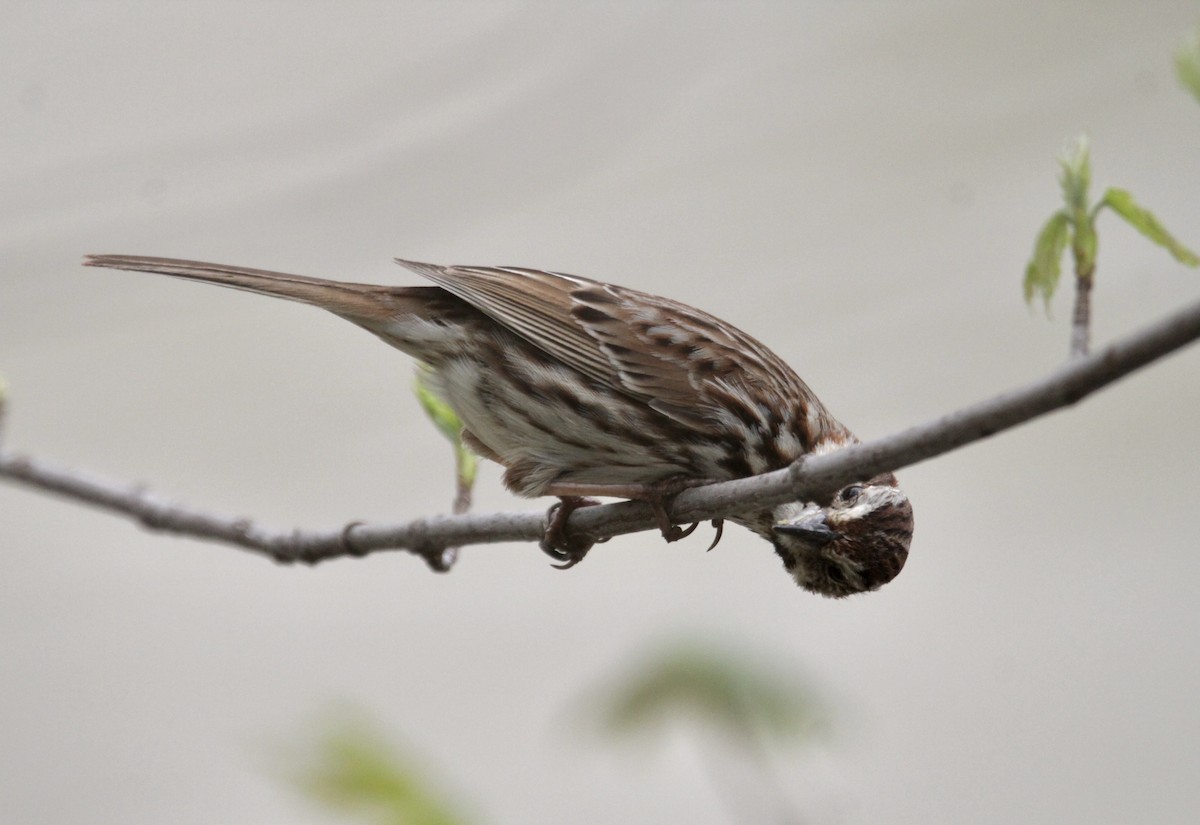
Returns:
point(357, 302)
point(427, 322)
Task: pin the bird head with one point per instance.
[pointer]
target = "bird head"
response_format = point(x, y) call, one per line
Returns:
point(851, 542)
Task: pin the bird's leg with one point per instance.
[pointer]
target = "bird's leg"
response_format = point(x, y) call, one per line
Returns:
point(567, 550)
point(657, 494)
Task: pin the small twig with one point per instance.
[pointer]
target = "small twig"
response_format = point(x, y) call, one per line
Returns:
point(442, 559)
point(1081, 318)
point(1075, 224)
point(810, 476)
point(462, 498)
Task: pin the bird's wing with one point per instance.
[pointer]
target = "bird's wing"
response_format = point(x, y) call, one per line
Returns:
point(675, 358)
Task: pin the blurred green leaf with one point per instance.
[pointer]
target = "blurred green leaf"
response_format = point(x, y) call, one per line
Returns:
point(715, 689)
point(448, 424)
point(1042, 273)
point(1187, 63)
point(1144, 221)
point(440, 413)
point(352, 771)
point(1075, 175)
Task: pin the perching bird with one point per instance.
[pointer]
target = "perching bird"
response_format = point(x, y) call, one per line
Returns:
point(583, 388)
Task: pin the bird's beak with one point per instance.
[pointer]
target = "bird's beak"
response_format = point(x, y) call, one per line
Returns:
point(809, 526)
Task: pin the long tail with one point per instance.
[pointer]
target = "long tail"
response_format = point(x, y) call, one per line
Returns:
point(361, 303)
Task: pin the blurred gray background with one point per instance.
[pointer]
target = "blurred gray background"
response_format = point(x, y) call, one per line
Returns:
point(858, 184)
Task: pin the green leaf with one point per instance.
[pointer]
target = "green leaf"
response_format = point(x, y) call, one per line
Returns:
point(1143, 221)
point(717, 690)
point(1075, 175)
point(1187, 64)
point(353, 771)
point(440, 413)
point(1041, 275)
point(448, 424)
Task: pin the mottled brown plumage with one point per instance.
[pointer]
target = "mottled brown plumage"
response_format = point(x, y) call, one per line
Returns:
point(578, 388)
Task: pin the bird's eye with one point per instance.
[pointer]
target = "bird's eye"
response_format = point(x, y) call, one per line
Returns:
point(850, 494)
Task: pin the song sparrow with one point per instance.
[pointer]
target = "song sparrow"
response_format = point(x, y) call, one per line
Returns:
point(581, 388)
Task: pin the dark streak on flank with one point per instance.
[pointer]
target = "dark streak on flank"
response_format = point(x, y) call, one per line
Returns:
point(736, 465)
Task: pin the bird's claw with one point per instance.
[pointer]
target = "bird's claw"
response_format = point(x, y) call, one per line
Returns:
point(718, 525)
point(569, 550)
point(673, 532)
point(556, 543)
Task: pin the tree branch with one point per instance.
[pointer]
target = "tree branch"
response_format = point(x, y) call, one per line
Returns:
point(809, 476)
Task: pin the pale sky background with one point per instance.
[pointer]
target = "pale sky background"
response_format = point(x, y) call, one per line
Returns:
point(858, 184)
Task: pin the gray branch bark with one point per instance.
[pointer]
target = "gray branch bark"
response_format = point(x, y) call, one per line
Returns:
point(809, 476)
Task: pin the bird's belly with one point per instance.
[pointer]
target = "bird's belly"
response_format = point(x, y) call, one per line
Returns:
point(548, 424)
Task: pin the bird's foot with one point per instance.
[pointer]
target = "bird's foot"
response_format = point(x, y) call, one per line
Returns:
point(567, 550)
point(657, 494)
